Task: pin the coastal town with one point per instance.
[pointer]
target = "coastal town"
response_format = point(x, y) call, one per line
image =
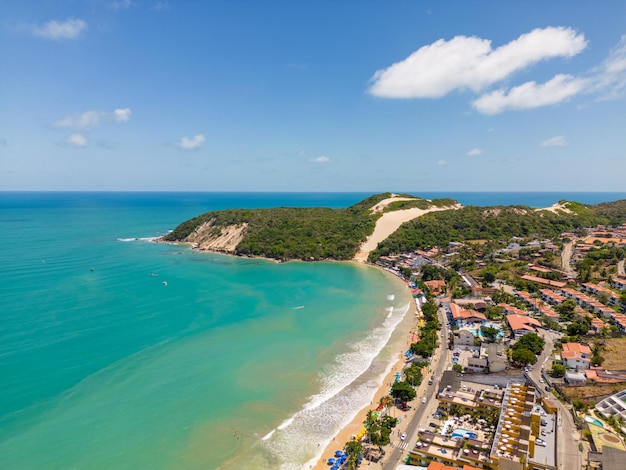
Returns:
point(515, 359)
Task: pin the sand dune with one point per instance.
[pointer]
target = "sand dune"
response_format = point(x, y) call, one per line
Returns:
point(389, 222)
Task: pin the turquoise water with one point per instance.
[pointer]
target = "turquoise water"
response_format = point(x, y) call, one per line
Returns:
point(104, 366)
point(460, 433)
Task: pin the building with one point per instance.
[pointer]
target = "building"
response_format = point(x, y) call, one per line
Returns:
point(436, 286)
point(576, 356)
point(512, 445)
point(615, 405)
point(522, 324)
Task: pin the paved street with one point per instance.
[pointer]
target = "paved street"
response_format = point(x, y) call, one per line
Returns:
point(440, 362)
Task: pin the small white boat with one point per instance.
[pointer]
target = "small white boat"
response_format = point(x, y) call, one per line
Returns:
point(164, 283)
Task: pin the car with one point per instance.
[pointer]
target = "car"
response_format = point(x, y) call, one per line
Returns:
point(432, 425)
point(547, 388)
point(540, 380)
point(540, 442)
point(424, 400)
point(403, 436)
point(543, 432)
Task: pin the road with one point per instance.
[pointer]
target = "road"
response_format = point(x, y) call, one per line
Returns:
point(566, 256)
point(441, 361)
point(568, 455)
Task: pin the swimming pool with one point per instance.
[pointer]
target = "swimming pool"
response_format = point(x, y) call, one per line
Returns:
point(591, 420)
point(460, 433)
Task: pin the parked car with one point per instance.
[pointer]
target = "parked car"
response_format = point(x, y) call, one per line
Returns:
point(540, 380)
point(432, 425)
point(540, 442)
point(543, 432)
point(424, 400)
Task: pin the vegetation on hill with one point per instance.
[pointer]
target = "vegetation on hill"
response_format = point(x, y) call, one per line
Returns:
point(322, 233)
point(498, 222)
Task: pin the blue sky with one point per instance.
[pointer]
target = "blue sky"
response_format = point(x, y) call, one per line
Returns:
point(313, 96)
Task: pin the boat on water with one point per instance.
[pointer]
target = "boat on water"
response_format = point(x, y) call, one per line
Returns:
point(164, 283)
point(153, 274)
point(298, 307)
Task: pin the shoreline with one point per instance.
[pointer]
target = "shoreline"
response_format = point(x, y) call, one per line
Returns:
point(344, 435)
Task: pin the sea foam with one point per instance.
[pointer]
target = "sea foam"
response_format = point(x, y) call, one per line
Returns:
point(346, 389)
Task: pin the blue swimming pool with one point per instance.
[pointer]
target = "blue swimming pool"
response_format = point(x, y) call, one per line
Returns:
point(460, 433)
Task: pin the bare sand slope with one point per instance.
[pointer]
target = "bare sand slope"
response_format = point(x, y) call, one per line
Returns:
point(390, 222)
point(556, 208)
point(226, 241)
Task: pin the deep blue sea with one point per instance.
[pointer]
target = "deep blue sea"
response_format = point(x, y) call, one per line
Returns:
point(117, 352)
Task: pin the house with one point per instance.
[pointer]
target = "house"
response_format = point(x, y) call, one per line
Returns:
point(597, 325)
point(546, 282)
point(619, 282)
point(551, 297)
point(436, 286)
point(575, 378)
point(576, 356)
point(522, 324)
point(462, 317)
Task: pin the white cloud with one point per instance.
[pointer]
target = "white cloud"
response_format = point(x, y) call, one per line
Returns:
point(556, 141)
point(161, 6)
point(92, 119)
point(442, 162)
point(192, 143)
point(610, 77)
point(122, 114)
point(121, 4)
point(68, 29)
point(469, 62)
point(76, 140)
point(530, 95)
point(321, 159)
point(475, 152)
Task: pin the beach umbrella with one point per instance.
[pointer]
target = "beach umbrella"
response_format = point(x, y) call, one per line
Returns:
point(331, 461)
point(338, 453)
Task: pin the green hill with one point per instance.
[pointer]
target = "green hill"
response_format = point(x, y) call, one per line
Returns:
point(322, 233)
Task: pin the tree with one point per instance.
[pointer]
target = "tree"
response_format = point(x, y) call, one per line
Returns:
point(558, 370)
point(532, 342)
point(489, 275)
point(523, 356)
point(490, 333)
point(457, 368)
point(566, 309)
point(354, 449)
point(597, 360)
point(403, 391)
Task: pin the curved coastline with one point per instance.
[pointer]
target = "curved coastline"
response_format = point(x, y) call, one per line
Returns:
point(398, 341)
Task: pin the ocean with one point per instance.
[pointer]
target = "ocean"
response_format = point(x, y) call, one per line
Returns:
point(117, 352)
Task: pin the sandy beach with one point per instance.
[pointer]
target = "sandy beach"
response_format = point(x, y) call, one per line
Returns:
point(402, 336)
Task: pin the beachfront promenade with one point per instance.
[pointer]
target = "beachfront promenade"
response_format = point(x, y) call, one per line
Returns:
point(421, 416)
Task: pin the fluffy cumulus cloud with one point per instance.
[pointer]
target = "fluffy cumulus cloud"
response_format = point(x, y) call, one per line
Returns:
point(76, 140)
point(191, 143)
point(474, 152)
point(56, 30)
point(320, 159)
point(556, 141)
point(530, 95)
point(471, 63)
point(92, 119)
